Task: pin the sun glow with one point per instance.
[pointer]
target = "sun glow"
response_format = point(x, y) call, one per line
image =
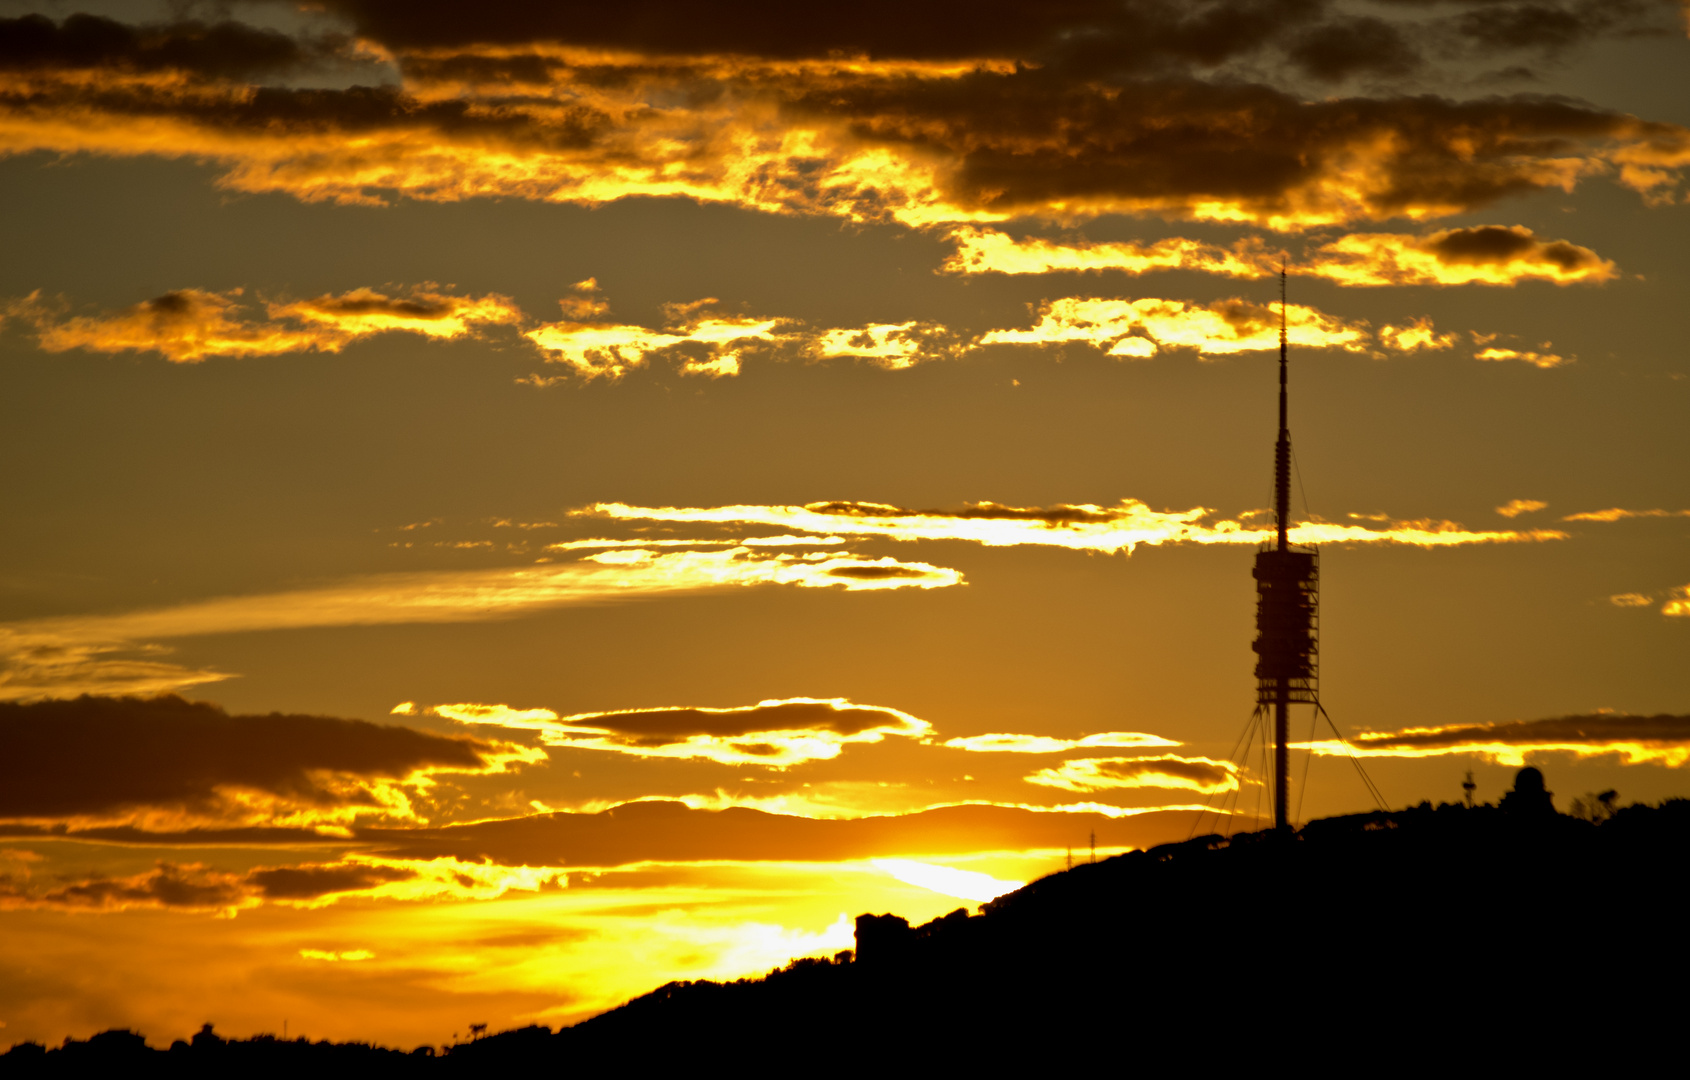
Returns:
point(963, 884)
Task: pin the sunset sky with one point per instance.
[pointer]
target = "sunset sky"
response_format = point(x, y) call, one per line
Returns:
point(551, 498)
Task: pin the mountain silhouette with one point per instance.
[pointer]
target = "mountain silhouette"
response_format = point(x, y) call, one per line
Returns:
point(1433, 935)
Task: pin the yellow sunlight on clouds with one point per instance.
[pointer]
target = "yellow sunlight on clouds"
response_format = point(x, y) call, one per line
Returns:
point(1082, 527)
point(190, 325)
point(776, 734)
point(1484, 255)
point(1219, 329)
point(70, 655)
point(864, 140)
point(1657, 740)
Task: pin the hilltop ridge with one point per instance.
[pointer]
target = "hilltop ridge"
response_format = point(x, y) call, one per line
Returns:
point(1426, 928)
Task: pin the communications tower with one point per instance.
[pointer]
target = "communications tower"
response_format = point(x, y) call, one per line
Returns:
point(1287, 608)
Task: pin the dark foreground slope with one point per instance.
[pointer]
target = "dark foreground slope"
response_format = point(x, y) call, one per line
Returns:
point(1413, 935)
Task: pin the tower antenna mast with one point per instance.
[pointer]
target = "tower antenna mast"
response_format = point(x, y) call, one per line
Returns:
point(1287, 602)
point(1282, 519)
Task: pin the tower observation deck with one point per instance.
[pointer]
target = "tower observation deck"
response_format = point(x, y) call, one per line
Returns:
point(1287, 607)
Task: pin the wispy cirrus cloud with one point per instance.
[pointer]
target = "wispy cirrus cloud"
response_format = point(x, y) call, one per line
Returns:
point(1659, 740)
point(70, 655)
point(1082, 527)
point(1513, 508)
point(1616, 513)
point(191, 325)
point(1480, 255)
point(776, 734)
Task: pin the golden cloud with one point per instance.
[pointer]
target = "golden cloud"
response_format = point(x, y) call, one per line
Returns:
point(1040, 744)
point(922, 142)
point(1658, 740)
point(1083, 527)
point(1515, 507)
point(1419, 334)
point(1631, 599)
point(1198, 774)
point(1137, 328)
point(1618, 514)
point(1481, 255)
point(777, 733)
point(1536, 359)
point(69, 655)
point(612, 350)
point(1678, 602)
point(190, 325)
point(893, 346)
point(987, 251)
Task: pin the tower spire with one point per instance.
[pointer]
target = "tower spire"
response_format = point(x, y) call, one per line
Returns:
point(1282, 449)
point(1282, 517)
point(1287, 599)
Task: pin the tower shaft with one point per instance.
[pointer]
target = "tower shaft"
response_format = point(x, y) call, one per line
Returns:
point(1287, 606)
point(1282, 519)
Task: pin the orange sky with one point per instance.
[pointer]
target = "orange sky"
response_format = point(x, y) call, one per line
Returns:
point(510, 505)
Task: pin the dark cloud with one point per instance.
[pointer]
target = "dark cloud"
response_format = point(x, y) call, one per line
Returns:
point(671, 832)
point(1052, 515)
point(1106, 115)
point(1552, 27)
point(671, 725)
point(1083, 37)
point(1177, 142)
point(310, 882)
point(1348, 47)
point(94, 757)
point(1196, 771)
point(218, 50)
point(198, 887)
point(1648, 737)
point(1128, 33)
point(1489, 244)
point(876, 573)
point(170, 886)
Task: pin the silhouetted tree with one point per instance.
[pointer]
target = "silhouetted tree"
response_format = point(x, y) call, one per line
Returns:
point(1594, 808)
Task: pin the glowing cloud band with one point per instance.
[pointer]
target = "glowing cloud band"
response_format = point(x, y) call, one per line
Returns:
point(1082, 527)
point(775, 734)
point(1484, 255)
point(191, 325)
point(74, 654)
point(1656, 740)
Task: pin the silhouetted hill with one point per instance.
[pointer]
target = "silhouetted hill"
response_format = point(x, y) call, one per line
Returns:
point(1416, 934)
